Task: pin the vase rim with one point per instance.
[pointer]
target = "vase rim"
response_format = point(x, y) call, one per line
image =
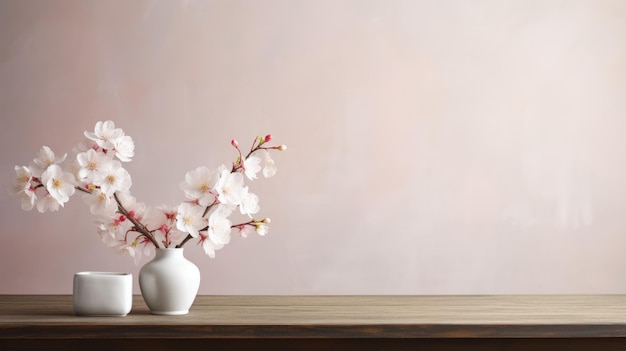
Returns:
point(169, 251)
point(97, 273)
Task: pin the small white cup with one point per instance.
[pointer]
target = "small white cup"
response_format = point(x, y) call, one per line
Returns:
point(103, 293)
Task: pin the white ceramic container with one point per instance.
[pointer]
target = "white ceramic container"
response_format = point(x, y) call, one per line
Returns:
point(103, 293)
point(169, 283)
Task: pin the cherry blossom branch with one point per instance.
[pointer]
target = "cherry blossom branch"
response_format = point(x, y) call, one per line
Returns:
point(238, 165)
point(140, 227)
point(254, 148)
point(82, 189)
point(254, 222)
point(99, 173)
point(187, 238)
point(241, 225)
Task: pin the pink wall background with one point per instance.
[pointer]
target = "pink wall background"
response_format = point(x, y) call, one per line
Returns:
point(435, 147)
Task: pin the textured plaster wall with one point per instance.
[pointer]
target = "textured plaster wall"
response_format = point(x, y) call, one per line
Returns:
point(435, 147)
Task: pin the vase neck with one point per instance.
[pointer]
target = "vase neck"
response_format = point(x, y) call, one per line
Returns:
point(169, 252)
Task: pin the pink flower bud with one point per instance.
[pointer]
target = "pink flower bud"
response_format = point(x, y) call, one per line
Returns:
point(267, 138)
point(234, 143)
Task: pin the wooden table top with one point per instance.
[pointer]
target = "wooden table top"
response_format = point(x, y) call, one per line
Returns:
point(526, 316)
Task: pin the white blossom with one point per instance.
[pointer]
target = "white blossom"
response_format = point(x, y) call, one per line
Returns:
point(131, 251)
point(116, 226)
point(251, 167)
point(127, 200)
point(47, 203)
point(249, 204)
point(60, 185)
point(246, 230)
point(112, 177)
point(28, 199)
point(85, 145)
point(45, 159)
point(167, 221)
point(100, 203)
point(105, 134)
point(91, 162)
point(22, 180)
point(219, 226)
point(230, 188)
point(269, 170)
point(22, 187)
point(124, 148)
point(107, 235)
point(189, 219)
point(199, 184)
point(209, 246)
point(162, 227)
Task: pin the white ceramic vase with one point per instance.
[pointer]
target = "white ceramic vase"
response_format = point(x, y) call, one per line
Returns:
point(169, 283)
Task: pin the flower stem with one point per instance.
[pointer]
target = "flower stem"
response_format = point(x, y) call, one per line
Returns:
point(140, 227)
point(82, 189)
point(184, 241)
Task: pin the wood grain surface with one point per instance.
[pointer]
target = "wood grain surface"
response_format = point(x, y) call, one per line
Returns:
point(471, 320)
